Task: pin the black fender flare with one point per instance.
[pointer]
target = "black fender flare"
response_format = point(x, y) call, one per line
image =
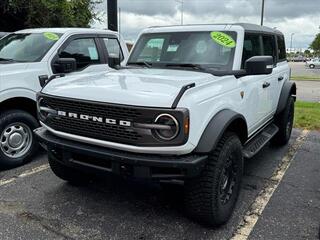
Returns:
point(216, 128)
point(288, 89)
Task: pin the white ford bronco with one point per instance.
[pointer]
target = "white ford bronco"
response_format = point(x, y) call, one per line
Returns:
point(28, 59)
point(191, 103)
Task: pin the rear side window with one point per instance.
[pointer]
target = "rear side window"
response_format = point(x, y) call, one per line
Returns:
point(113, 48)
point(251, 47)
point(282, 56)
point(269, 47)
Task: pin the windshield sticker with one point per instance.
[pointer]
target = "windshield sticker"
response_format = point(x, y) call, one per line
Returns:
point(51, 36)
point(223, 39)
point(172, 48)
point(201, 47)
point(93, 53)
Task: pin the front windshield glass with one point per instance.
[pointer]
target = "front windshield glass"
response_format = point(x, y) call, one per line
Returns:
point(213, 50)
point(26, 47)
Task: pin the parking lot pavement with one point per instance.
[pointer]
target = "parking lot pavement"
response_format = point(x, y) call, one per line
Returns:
point(294, 210)
point(34, 204)
point(300, 69)
point(308, 91)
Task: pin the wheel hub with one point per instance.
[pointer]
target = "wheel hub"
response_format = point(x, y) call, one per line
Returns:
point(228, 181)
point(16, 140)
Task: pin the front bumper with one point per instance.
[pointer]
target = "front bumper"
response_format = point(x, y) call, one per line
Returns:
point(95, 158)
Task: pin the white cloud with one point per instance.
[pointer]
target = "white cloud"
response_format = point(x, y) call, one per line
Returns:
point(289, 16)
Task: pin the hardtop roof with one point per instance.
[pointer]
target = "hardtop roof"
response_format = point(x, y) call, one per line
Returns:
point(248, 27)
point(68, 30)
point(258, 28)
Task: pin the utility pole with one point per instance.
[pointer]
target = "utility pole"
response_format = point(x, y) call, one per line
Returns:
point(182, 9)
point(291, 42)
point(119, 22)
point(182, 12)
point(262, 12)
point(112, 15)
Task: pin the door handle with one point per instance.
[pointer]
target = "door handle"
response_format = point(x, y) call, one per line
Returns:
point(280, 78)
point(265, 84)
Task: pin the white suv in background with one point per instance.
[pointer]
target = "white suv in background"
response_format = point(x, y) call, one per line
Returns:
point(313, 63)
point(191, 103)
point(28, 59)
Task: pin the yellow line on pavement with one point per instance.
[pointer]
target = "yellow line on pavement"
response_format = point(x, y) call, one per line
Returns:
point(24, 174)
point(252, 216)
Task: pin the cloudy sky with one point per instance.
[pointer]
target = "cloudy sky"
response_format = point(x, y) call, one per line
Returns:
point(301, 17)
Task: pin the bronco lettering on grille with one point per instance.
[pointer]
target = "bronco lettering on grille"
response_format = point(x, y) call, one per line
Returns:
point(94, 118)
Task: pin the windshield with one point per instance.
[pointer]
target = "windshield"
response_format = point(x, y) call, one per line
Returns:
point(185, 49)
point(26, 47)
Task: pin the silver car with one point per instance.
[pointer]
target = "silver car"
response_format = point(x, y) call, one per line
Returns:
point(313, 63)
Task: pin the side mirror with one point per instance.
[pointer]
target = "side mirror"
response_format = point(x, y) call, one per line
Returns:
point(259, 65)
point(114, 62)
point(44, 79)
point(65, 65)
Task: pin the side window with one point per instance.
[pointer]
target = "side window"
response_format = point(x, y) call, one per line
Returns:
point(251, 47)
point(113, 48)
point(269, 47)
point(83, 50)
point(281, 49)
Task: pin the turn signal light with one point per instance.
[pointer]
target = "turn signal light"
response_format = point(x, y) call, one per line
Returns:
point(186, 125)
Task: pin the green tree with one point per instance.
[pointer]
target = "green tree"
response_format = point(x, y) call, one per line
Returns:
point(307, 52)
point(315, 45)
point(20, 14)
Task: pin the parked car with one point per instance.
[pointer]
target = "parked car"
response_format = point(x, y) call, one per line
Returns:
point(28, 59)
point(191, 104)
point(299, 59)
point(313, 63)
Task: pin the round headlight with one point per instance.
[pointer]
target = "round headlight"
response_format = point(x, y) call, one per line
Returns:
point(167, 133)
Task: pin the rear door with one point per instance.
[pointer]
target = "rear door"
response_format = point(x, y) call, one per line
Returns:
point(282, 71)
point(270, 82)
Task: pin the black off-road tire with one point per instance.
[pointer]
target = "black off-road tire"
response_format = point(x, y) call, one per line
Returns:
point(312, 66)
point(284, 122)
point(10, 122)
point(205, 201)
point(71, 175)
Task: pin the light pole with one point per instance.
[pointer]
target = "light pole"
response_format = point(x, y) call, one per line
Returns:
point(291, 41)
point(119, 21)
point(182, 6)
point(262, 12)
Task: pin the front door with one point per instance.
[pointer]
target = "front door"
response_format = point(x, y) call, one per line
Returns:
point(257, 87)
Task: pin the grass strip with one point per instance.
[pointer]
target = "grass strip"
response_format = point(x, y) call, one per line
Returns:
point(307, 115)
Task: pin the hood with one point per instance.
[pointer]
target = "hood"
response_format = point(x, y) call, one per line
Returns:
point(12, 67)
point(22, 76)
point(139, 87)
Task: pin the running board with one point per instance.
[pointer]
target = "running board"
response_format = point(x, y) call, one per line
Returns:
point(258, 142)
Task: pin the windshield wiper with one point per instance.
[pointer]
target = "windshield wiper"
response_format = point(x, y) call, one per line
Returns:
point(6, 60)
point(144, 63)
point(186, 65)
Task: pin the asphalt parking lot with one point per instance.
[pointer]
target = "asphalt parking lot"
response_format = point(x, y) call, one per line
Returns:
point(280, 199)
point(308, 91)
point(300, 69)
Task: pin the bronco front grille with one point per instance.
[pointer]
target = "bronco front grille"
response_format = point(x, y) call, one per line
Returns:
point(91, 129)
point(132, 133)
